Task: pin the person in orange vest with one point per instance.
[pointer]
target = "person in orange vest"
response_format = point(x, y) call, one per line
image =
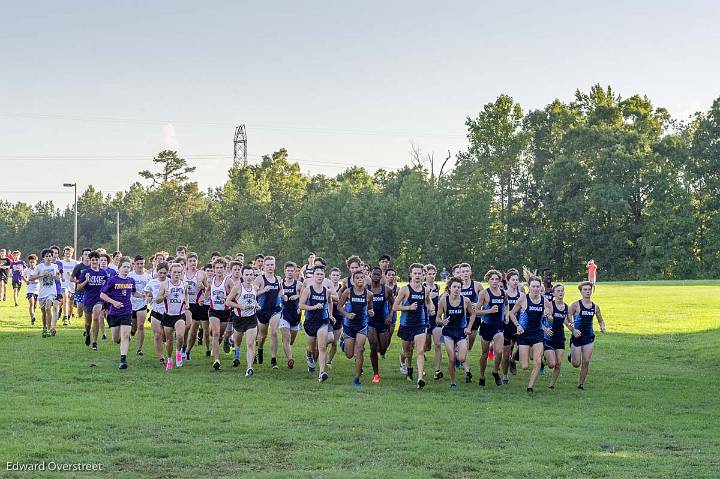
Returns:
point(592, 271)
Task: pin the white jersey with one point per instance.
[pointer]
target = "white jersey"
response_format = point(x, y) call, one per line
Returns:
point(192, 287)
point(32, 286)
point(210, 279)
point(175, 299)
point(68, 267)
point(218, 295)
point(47, 279)
point(153, 287)
point(141, 280)
point(248, 302)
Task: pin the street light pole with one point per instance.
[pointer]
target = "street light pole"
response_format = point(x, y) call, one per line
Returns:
point(75, 245)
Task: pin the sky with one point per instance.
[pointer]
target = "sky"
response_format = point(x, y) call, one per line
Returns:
point(90, 91)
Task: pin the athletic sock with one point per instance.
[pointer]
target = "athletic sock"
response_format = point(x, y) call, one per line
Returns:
point(123, 358)
point(236, 353)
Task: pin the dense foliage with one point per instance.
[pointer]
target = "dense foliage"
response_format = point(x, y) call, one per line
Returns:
point(604, 177)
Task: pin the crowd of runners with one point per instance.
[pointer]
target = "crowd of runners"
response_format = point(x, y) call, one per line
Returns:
point(519, 317)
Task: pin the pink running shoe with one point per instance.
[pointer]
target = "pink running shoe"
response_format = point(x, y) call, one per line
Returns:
point(169, 365)
point(376, 378)
point(178, 359)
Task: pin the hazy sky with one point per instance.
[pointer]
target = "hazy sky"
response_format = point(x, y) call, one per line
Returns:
point(336, 83)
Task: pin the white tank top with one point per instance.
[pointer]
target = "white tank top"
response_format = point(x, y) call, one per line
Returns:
point(217, 295)
point(192, 286)
point(175, 300)
point(248, 301)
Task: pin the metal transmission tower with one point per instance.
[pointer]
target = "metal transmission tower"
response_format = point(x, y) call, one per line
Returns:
point(240, 146)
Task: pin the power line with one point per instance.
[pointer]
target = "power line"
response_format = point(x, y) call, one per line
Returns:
point(256, 126)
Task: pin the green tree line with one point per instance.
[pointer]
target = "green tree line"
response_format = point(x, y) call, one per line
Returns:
point(604, 177)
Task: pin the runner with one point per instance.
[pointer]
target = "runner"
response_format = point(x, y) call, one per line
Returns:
point(91, 281)
point(157, 308)
point(243, 300)
point(57, 304)
point(434, 333)
point(173, 293)
point(118, 291)
point(4, 273)
point(530, 327)
point(491, 304)
point(512, 293)
point(316, 301)
point(17, 265)
point(547, 277)
point(356, 306)
point(383, 264)
point(410, 300)
point(268, 291)
point(219, 313)
point(196, 314)
point(452, 316)
point(181, 252)
point(47, 273)
point(139, 303)
point(554, 339)
point(379, 325)
point(583, 335)
point(308, 268)
point(334, 330)
point(75, 278)
point(68, 285)
point(290, 316)
point(391, 283)
point(33, 286)
point(470, 289)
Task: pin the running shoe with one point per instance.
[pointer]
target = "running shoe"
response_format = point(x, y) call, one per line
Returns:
point(123, 365)
point(44, 333)
point(226, 346)
point(178, 359)
point(236, 362)
point(104, 337)
point(53, 332)
point(216, 365)
point(481, 382)
point(94, 346)
point(498, 381)
point(87, 340)
point(530, 390)
point(291, 363)
point(438, 374)
point(552, 386)
point(458, 364)
point(420, 383)
point(169, 365)
point(453, 386)
point(356, 382)
point(323, 377)
point(505, 380)
point(140, 353)
point(273, 363)
point(580, 386)
point(403, 369)
point(249, 372)
point(32, 320)
point(468, 376)
point(376, 378)
point(207, 353)
point(187, 356)
point(65, 323)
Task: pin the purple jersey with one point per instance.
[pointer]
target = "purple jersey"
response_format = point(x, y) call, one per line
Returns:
point(58, 283)
point(110, 272)
point(120, 289)
point(17, 269)
point(94, 285)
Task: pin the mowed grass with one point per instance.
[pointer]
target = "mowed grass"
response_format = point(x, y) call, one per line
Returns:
point(650, 408)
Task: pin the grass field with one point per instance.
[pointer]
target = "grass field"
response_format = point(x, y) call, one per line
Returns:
point(650, 408)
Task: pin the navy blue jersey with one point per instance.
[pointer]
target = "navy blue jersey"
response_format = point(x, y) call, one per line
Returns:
point(414, 318)
point(549, 295)
point(317, 298)
point(495, 300)
point(469, 292)
point(558, 323)
point(431, 318)
point(380, 304)
point(270, 300)
point(535, 313)
point(512, 300)
point(583, 320)
point(456, 314)
point(356, 304)
point(290, 311)
point(309, 270)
